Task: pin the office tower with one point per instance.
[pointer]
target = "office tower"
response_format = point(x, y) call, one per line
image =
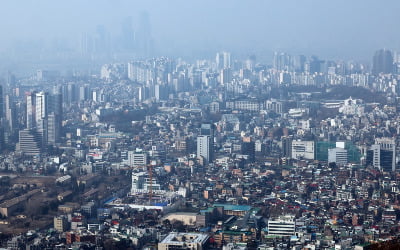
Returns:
point(223, 60)
point(41, 110)
point(127, 35)
point(144, 41)
point(313, 65)
point(100, 41)
point(10, 124)
point(382, 154)
point(30, 110)
point(204, 148)
point(207, 129)
point(382, 62)
point(2, 120)
point(287, 146)
point(338, 156)
point(53, 130)
point(40, 115)
point(10, 112)
point(137, 158)
point(54, 119)
point(55, 104)
point(249, 148)
point(303, 149)
point(44, 116)
point(86, 44)
point(282, 226)
point(1, 102)
point(30, 142)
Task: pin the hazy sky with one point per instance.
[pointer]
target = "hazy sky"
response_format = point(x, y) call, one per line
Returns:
point(329, 28)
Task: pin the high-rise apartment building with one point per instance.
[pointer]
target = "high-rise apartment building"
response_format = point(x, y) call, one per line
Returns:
point(282, 61)
point(204, 148)
point(205, 142)
point(223, 60)
point(225, 76)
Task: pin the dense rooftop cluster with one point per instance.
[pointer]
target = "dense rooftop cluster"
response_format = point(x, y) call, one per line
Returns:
point(229, 154)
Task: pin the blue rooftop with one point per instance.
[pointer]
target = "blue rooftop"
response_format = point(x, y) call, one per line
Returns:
point(233, 207)
point(110, 200)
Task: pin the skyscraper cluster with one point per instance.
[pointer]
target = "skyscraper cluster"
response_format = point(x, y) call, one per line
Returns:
point(225, 138)
point(43, 122)
point(127, 42)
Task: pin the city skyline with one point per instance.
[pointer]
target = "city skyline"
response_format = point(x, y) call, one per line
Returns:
point(207, 124)
point(189, 30)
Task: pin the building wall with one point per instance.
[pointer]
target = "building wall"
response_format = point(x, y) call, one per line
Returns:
point(284, 226)
point(186, 219)
point(204, 147)
point(337, 155)
point(303, 149)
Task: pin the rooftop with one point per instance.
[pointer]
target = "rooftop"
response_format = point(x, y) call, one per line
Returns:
point(233, 207)
point(181, 238)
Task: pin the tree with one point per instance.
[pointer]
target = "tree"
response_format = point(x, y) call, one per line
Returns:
point(178, 225)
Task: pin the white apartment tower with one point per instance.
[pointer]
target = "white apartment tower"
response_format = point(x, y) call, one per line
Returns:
point(204, 147)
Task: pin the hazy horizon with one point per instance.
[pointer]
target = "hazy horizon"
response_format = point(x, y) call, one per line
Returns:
point(330, 29)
